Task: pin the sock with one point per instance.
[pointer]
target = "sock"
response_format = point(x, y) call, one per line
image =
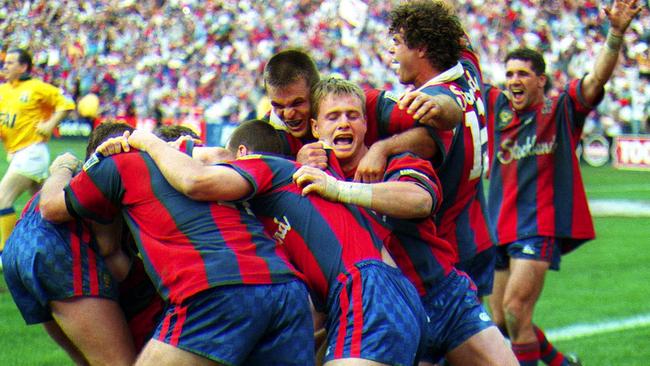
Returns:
point(7, 223)
point(527, 353)
point(547, 352)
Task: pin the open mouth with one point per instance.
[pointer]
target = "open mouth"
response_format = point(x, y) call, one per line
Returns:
point(517, 94)
point(293, 124)
point(343, 140)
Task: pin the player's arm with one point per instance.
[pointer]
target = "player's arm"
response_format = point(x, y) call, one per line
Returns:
point(52, 203)
point(45, 128)
point(399, 199)
point(190, 176)
point(620, 14)
point(416, 140)
point(438, 111)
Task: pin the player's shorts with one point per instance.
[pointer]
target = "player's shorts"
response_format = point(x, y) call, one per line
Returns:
point(32, 162)
point(455, 315)
point(244, 325)
point(374, 313)
point(40, 266)
point(539, 248)
point(481, 270)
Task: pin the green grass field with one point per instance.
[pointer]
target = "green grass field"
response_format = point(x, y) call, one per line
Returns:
point(603, 283)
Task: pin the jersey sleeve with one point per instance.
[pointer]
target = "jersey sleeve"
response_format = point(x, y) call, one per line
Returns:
point(96, 192)
point(582, 109)
point(264, 173)
point(56, 98)
point(408, 167)
point(384, 116)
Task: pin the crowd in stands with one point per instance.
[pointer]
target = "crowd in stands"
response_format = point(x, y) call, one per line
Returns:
point(177, 59)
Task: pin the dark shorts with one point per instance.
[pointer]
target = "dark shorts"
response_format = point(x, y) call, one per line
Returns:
point(40, 266)
point(244, 325)
point(539, 248)
point(455, 315)
point(374, 313)
point(481, 270)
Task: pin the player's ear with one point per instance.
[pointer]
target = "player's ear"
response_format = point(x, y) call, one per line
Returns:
point(242, 151)
point(314, 128)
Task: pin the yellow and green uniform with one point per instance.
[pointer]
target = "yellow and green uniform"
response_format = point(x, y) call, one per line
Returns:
point(23, 105)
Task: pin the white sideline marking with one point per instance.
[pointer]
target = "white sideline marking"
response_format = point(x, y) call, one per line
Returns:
point(619, 207)
point(619, 188)
point(587, 330)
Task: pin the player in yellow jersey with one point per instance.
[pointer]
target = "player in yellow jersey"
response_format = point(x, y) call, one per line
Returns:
point(30, 109)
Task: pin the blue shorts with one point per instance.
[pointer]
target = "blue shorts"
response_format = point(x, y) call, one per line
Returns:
point(539, 248)
point(44, 262)
point(455, 314)
point(481, 270)
point(244, 325)
point(374, 313)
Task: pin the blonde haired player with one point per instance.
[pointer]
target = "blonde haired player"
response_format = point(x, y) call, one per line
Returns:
point(30, 109)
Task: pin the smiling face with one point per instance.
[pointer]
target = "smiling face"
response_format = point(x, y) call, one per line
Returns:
point(340, 123)
point(291, 104)
point(526, 88)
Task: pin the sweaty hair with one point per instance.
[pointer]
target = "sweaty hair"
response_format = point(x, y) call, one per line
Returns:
point(526, 54)
point(288, 66)
point(431, 25)
point(258, 136)
point(173, 132)
point(337, 87)
point(103, 132)
point(24, 58)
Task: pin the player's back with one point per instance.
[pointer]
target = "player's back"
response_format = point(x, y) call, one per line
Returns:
point(188, 246)
point(323, 238)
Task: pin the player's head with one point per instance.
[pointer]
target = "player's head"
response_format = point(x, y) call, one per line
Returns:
point(173, 132)
point(424, 31)
point(525, 77)
point(288, 77)
point(338, 107)
point(255, 136)
point(17, 64)
point(103, 132)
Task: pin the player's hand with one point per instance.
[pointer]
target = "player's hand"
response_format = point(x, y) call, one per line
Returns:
point(115, 145)
point(176, 144)
point(65, 161)
point(421, 106)
point(621, 13)
point(372, 166)
point(313, 154)
point(141, 139)
point(313, 180)
point(45, 128)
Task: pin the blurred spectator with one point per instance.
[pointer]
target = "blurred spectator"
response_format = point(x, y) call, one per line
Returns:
point(168, 59)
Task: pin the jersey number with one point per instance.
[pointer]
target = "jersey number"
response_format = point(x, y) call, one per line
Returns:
point(471, 121)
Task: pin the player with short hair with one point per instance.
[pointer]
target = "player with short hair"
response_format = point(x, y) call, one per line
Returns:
point(537, 201)
point(233, 297)
point(30, 109)
point(459, 328)
point(373, 314)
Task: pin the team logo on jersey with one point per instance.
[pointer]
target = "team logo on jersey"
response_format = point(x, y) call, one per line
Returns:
point(505, 117)
point(24, 97)
point(94, 159)
point(284, 226)
point(391, 96)
point(548, 106)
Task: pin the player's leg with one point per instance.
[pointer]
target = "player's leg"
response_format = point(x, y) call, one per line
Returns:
point(495, 300)
point(487, 347)
point(97, 327)
point(522, 292)
point(55, 332)
point(157, 353)
point(11, 186)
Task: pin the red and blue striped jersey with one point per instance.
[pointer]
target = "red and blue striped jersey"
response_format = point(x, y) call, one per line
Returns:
point(424, 257)
point(536, 187)
point(187, 246)
point(322, 238)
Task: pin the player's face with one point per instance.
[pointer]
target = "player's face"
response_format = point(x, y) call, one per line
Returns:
point(291, 105)
point(12, 69)
point(403, 59)
point(341, 124)
point(525, 87)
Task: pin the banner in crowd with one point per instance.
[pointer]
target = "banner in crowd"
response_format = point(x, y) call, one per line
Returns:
point(632, 152)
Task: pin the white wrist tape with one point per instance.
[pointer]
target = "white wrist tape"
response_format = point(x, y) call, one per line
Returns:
point(355, 193)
